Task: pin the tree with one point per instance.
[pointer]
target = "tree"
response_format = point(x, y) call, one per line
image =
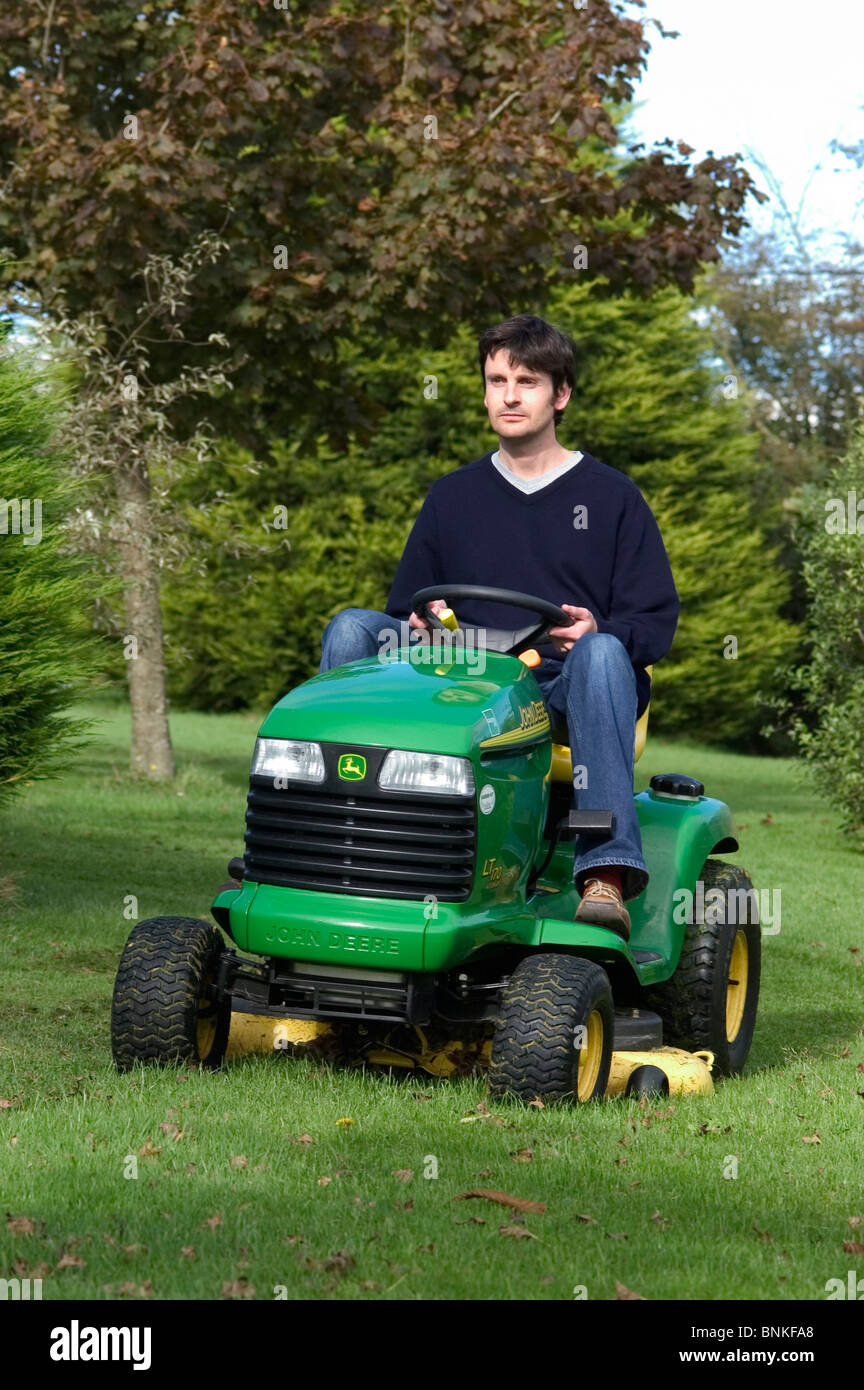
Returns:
point(392, 168)
point(119, 426)
point(826, 712)
point(787, 319)
point(48, 654)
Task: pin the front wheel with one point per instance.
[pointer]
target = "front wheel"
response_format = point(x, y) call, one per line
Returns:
point(553, 1036)
point(164, 1008)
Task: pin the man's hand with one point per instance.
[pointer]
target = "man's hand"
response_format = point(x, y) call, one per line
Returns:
point(436, 606)
point(564, 637)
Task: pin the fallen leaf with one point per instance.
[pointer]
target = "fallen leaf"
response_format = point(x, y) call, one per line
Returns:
point(325, 1181)
point(765, 1236)
point(304, 1139)
point(502, 1198)
point(71, 1262)
point(517, 1232)
point(188, 1252)
point(171, 1130)
point(238, 1288)
point(853, 1247)
point(623, 1293)
point(339, 1260)
point(135, 1249)
point(132, 1290)
point(854, 1221)
point(403, 1174)
point(20, 1226)
point(589, 1220)
point(21, 1270)
point(149, 1150)
point(661, 1221)
point(617, 1235)
point(538, 1105)
point(213, 1221)
point(522, 1156)
point(239, 1161)
point(812, 1138)
point(7, 1104)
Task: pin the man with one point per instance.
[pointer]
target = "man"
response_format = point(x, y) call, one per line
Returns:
point(559, 524)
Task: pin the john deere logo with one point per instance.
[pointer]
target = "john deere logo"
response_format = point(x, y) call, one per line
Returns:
point(352, 767)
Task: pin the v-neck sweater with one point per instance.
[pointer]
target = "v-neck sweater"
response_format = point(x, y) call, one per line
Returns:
point(588, 538)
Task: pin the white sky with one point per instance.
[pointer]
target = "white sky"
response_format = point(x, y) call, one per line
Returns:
point(778, 78)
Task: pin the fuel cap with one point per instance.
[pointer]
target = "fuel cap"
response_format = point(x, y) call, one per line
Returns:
point(677, 784)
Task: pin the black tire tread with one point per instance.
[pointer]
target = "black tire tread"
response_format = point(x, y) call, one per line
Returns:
point(155, 1006)
point(547, 996)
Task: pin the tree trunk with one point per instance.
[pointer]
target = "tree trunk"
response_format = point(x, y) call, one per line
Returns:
point(151, 754)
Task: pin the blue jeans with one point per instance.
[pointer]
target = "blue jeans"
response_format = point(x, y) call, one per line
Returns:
point(594, 694)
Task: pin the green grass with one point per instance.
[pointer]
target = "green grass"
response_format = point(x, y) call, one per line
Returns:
point(664, 1221)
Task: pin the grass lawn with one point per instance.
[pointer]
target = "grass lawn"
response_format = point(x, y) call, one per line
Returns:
point(232, 1200)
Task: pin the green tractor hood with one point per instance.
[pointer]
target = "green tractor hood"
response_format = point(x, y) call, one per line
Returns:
point(409, 701)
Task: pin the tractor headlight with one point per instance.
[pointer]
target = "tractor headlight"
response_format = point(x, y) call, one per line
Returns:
point(288, 758)
point(402, 771)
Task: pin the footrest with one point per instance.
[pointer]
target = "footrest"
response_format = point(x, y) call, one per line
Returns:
point(600, 824)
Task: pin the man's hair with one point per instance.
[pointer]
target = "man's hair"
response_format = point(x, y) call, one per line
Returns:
point(534, 343)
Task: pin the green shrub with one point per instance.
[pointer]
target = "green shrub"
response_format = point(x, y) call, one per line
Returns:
point(47, 649)
point(830, 732)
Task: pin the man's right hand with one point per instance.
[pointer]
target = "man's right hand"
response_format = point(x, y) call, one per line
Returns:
point(436, 606)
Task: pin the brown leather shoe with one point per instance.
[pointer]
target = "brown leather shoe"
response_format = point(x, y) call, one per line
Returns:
point(603, 906)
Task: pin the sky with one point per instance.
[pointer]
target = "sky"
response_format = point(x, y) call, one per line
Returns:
point(778, 79)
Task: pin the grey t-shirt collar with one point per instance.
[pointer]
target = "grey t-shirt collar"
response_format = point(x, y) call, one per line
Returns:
point(535, 484)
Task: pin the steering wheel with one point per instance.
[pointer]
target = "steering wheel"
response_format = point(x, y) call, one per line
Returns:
point(508, 641)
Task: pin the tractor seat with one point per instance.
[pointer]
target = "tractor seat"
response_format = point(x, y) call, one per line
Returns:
point(562, 763)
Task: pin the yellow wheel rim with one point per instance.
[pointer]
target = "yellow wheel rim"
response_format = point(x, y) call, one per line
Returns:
point(590, 1057)
point(206, 1029)
point(736, 988)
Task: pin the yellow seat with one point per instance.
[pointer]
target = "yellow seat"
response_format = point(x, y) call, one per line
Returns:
point(562, 763)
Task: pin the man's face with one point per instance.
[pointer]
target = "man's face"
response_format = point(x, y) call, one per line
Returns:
point(521, 402)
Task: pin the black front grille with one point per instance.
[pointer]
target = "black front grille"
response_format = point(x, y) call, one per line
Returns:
point(385, 845)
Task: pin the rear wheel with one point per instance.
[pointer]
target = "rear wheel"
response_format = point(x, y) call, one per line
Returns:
point(164, 1008)
point(553, 1035)
point(711, 1000)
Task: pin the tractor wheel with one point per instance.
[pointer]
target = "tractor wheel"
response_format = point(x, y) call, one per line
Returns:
point(711, 1000)
point(553, 1034)
point(162, 1009)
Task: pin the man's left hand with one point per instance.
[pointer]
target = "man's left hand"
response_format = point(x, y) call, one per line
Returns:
point(564, 637)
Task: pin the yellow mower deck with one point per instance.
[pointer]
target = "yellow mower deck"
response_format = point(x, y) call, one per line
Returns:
point(689, 1073)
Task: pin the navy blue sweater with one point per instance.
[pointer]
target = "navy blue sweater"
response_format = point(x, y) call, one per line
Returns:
point(477, 528)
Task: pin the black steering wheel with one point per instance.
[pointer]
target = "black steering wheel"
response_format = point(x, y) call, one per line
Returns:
point(506, 640)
